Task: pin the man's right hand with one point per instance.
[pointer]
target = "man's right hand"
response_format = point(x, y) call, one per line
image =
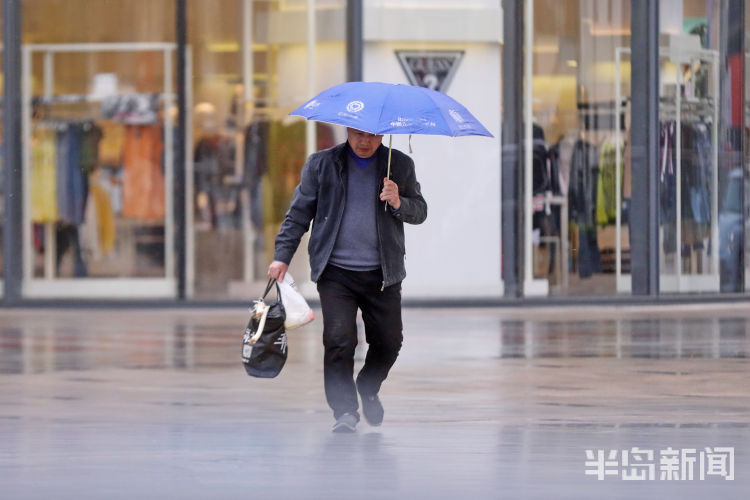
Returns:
point(277, 270)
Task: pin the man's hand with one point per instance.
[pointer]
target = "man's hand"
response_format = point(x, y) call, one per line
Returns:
point(390, 194)
point(277, 270)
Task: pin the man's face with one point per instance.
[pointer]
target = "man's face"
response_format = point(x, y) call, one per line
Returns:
point(364, 144)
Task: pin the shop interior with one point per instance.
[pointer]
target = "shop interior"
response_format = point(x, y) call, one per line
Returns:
point(101, 138)
point(581, 154)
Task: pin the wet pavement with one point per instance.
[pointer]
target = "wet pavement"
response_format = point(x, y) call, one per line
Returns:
point(483, 403)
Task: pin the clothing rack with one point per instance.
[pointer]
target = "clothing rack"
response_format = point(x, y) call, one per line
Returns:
point(139, 287)
point(601, 115)
point(92, 98)
point(705, 108)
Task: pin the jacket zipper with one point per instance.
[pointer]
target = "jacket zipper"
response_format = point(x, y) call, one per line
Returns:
point(341, 214)
point(377, 226)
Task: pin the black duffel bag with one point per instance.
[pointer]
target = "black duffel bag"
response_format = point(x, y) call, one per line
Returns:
point(264, 347)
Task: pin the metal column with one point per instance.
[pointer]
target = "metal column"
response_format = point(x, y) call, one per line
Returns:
point(644, 212)
point(12, 230)
point(179, 158)
point(731, 129)
point(354, 40)
point(512, 148)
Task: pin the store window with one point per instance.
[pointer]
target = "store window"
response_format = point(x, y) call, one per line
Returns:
point(577, 121)
point(701, 112)
point(746, 135)
point(251, 63)
point(578, 155)
point(98, 142)
point(2, 172)
point(690, 172)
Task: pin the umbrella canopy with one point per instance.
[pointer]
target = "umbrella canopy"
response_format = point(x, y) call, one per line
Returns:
point(386, 108)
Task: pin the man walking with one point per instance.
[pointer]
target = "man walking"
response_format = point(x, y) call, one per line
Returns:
point(357, 259)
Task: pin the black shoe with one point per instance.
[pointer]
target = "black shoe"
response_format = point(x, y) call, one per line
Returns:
point(346, 423)
point(372, 409)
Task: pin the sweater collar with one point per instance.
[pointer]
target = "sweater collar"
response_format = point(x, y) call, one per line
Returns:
point(361, 162)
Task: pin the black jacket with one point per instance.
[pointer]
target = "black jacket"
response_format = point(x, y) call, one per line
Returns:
point(320, 197)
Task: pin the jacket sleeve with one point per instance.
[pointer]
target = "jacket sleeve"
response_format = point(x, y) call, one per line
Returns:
point(300, 214)
point(413, 209)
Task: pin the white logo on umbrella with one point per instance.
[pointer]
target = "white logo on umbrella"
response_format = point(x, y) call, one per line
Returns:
point(456, 116)
point(355, 106)
point(312, 104)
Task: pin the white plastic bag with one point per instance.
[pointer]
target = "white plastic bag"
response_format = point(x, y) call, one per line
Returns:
point(298, 313)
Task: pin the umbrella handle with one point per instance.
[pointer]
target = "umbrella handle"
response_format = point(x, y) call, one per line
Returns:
point(390, 149)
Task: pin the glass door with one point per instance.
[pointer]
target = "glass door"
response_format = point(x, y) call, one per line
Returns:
point(688, 167)
point(254, 63)
point(576, 161)
point(98, 83)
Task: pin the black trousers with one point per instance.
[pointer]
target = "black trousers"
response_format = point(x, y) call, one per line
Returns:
point(342, 292)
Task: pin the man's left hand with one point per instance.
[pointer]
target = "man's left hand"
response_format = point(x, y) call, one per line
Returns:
point(390, 194)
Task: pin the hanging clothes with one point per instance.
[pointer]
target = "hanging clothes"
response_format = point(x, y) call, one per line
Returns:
point(582, 194)
point(217, 194)
point(606, 194)
point(540, 173)
point(695, 182)
point(72, 182)
point(105, 219)
point(43, 176)
point(584, 171)
point(557, 185)
point(90, 138)
point(143, 180)
point(88, 232)
point(255, 165)
point(67, 237)
point(111, 144)
point(286, 156)
point(668, 187)
point(132, 109)
point(98, 231)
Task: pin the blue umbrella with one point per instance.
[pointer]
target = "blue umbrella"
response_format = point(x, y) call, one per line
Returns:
point(386, 108)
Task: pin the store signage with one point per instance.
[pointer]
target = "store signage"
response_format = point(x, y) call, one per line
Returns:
point(433, 69)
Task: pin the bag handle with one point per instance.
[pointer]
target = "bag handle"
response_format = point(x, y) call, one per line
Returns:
point(271, 281)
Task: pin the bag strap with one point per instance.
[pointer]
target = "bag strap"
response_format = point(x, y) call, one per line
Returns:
point(271, 281)
point(261, 324)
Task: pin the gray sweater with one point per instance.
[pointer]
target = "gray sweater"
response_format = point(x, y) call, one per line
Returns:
point(356, 245)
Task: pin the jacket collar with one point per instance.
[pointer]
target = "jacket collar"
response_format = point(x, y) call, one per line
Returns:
point(342, 150)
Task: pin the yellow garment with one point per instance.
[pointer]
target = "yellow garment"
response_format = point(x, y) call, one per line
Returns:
point(105, 218)
point(111, 144)
point(43, 177)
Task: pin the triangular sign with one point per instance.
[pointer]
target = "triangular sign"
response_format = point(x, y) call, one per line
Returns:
point(433, 69)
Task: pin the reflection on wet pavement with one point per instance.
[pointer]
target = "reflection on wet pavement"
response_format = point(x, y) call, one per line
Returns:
point(483, 403)
point(179, 340)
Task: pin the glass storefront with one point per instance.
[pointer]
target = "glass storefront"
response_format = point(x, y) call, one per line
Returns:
point(578, 158)
point(99, 137)
point(98, 146)
point(689, 115)
point(251, 62)
point(99, 117)
point(2, 173)
point(578, 129)
point(219, 194)
point(744, 213)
